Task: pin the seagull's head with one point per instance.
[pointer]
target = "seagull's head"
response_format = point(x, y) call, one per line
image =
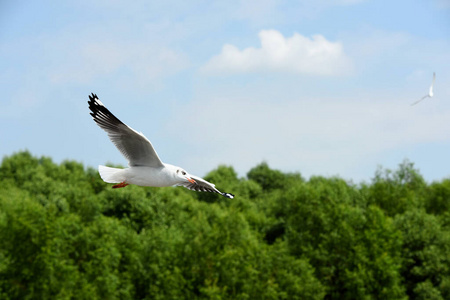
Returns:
point(179, 175)
point(184, 176)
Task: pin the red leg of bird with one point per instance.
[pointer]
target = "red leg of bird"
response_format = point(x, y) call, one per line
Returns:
point(120, 185)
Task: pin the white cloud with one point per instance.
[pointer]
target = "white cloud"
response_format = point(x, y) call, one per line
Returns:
point(296, 54)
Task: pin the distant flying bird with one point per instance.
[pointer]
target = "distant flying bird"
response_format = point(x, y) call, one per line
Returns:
point(430, 92)
point(145, 167)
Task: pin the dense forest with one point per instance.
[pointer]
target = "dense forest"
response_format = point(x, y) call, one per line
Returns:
point(65, 234)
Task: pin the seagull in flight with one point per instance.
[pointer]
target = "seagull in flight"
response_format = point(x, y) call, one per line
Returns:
point(145, 168)
point(430, 92)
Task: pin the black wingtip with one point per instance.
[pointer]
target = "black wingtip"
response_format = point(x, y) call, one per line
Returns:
point(101, 115)
point(92, 100)
point(92, 97)
point(93, 104)
point(228, 195)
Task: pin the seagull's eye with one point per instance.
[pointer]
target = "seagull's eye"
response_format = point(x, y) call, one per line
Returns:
point(183, 172)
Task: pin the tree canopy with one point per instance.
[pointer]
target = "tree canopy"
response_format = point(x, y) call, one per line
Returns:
point(65, 234)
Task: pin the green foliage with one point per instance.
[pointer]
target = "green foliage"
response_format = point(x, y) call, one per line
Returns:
point(270, 179)
point(399, 191)
point(354, 249)
point(438, 199)
point(426, 260)
point(65, 234)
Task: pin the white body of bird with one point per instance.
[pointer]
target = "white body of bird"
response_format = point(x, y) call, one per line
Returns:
point(143, 176)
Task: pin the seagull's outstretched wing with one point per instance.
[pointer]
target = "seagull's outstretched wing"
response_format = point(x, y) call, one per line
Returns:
point(426, 96)
point(136, 148)
point(201, 185)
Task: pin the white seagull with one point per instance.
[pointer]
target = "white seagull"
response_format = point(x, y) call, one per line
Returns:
point(145, 166)
point(430, 92)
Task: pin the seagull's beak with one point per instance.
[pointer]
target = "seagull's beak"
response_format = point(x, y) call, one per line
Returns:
point(191, 180)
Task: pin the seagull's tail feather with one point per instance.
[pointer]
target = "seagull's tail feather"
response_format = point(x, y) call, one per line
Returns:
point(111, 175)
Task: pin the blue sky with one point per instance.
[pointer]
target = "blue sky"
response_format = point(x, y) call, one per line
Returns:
point(316, 87)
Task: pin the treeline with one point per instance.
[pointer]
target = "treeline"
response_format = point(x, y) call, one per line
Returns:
point(65, 234)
